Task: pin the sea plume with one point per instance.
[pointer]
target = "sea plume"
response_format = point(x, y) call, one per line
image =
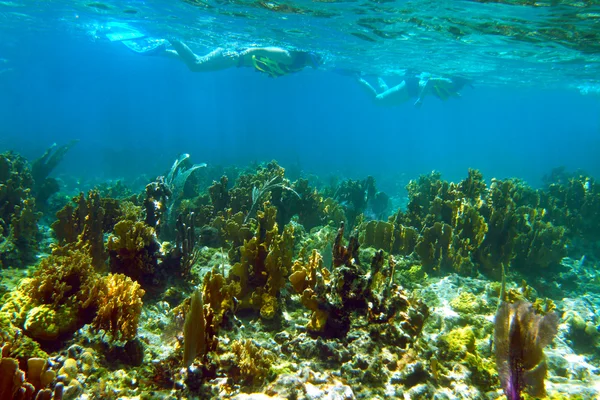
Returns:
point(520, 336)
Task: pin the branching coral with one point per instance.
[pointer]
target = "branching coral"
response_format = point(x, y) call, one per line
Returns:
point(334, 296)
point(389, 236)
point(186, 248)
point(155, 203)
point(66, 292)
point(252, 362)
point(118, 312)
point(18, 215)
point(133, 250)
point(264, 264)
point(233, 230)
point(57, 299)
point(259, 193)
point(573, 201)
point(304, 274)
point(307, 205)
point(219, 295)
point(467, 227)
point(353, 195)
point(86, 224)
point(248, 186)
point(219, 194)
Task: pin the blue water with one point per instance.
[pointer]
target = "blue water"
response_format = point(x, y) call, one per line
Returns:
point(133, 114)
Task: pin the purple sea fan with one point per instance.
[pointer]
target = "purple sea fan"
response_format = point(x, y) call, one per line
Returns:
point(520, 336)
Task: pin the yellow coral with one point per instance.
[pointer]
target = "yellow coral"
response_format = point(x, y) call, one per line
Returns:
point(46, 323)
point(65, 277)
point(319, 317)
point(459, 342)
point(389, 236)
point(264, 263)
point(253, 363)
point(130, 235)
point(51, 303)
point(466, 303)
point(120, 309)
point(279, 259)
point(304, 275)
point(219, 295)
point(268, 306)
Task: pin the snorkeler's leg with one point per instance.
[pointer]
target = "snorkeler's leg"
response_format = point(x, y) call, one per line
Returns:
point(395, 95)
point(367, 86)
point(216, 60)
point(382, 85)
point(184, 52)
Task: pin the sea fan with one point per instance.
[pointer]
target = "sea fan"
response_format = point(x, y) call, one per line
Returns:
point(258, 193)
point(520, 337)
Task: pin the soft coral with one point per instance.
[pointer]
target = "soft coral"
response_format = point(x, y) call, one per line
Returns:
point(520, 336)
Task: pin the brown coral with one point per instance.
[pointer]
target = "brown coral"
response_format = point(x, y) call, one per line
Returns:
point(264, 264)
point(220, 294)
point(252, 362)
point(390, 236)
point(119, 311)
point(86, 224)
point(15, 384)
point(304, 274)
point(18, 214)
point(133, 250)
point(57, 300)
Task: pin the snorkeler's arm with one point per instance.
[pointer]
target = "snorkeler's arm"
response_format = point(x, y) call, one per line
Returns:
point(171, 54)
point(442, 88)
point(424, 88)
point(216, 60)
point(276, 54)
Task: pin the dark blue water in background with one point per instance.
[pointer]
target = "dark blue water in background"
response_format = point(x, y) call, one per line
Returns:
point(133, 114)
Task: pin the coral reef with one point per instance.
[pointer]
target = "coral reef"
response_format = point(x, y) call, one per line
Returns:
point(18, 214)
point(66, 293)
point(574, 202)
point(258, 285)
point(59, 296)
point(251, 364)
point(119, 313)
point(264, 264)
point(469, 227)
point(86, 224)
point(334, 296)
point(133, 250)
point(36, 383)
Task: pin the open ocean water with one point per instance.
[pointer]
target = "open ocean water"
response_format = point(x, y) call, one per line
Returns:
point(288, 307)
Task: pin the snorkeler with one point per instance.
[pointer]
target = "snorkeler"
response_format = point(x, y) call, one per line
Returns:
point(414, 87)
point(273, 61)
